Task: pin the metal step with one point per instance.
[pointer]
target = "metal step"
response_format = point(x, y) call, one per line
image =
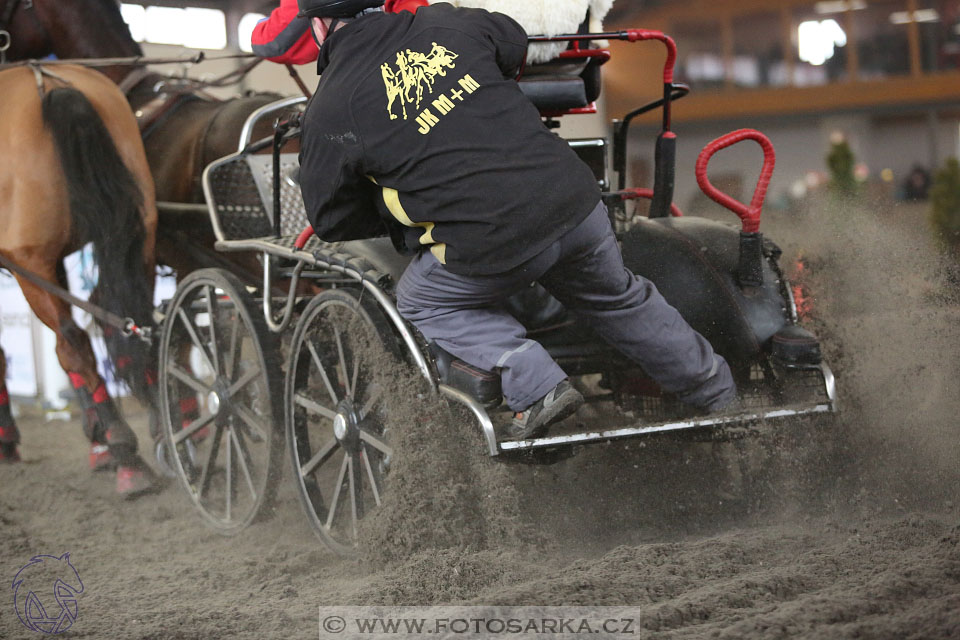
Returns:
point(824, 403)
point(648, 429)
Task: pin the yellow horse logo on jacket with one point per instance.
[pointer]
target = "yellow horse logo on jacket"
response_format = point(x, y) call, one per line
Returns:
point(405, 83)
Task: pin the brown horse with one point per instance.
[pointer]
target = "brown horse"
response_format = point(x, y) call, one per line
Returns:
point(183, 131)
point(72, 171)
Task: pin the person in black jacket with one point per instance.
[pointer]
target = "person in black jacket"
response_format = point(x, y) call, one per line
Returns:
point(421, 114)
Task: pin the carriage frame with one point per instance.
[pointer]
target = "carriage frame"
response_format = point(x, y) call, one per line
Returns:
point(255, 206)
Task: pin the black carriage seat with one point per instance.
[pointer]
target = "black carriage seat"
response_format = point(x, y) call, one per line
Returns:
point(561, 85)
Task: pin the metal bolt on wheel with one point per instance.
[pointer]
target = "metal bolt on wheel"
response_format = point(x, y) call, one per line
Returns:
point(334, 414)
point(218, 394)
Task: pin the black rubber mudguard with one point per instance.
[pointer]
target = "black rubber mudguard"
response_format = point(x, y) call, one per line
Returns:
point(693, 262)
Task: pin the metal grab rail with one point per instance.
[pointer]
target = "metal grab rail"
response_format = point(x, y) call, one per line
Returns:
point(246, 134)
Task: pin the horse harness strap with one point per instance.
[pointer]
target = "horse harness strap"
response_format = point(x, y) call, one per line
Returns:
point(126, 326)
point(40, 72)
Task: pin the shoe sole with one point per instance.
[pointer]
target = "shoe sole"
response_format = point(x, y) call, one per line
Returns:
point(561, 409)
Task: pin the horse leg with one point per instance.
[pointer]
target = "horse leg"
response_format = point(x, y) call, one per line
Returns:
point(9, 435)
point(102, 423)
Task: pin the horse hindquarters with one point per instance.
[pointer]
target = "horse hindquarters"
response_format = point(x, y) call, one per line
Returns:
point(36, 189)
point(106, 207)
point(112, 206)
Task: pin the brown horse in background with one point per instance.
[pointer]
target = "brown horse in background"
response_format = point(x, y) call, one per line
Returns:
point(72, 171)
point(183, 131)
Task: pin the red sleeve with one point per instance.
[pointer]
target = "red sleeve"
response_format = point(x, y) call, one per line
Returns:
point(396, 6)
point(286, 39)
point(283, 37)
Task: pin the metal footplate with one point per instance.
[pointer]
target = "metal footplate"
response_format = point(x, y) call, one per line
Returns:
point(825, 404)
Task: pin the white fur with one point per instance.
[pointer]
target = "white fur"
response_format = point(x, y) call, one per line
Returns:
point(544, 17)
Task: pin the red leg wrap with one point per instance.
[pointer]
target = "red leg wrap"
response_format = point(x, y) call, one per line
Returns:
point(77, 380)
point(100, 395)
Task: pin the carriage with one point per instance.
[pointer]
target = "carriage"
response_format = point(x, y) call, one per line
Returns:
point(313, 346)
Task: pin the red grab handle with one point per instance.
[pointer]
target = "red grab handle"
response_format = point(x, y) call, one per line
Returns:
point(634, 35)
point(301, 240)
point(750, 215)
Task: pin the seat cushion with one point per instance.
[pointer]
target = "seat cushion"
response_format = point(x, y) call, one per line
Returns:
point(555, 92)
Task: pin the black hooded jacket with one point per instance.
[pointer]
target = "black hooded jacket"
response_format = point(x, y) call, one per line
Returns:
point(419, 113)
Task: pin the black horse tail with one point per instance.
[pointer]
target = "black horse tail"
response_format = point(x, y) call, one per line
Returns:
point(105, 207)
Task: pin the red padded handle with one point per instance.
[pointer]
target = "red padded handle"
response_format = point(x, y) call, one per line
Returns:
point(750, 215)
point(305, 235)
point(649, 34)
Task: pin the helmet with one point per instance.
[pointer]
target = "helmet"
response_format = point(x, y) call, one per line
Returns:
point(334, 8)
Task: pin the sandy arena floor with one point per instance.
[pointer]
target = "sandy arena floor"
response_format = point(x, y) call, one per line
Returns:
point(850, 534)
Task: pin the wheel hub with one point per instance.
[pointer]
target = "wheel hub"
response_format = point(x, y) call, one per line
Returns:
point(340, 426)
point(218, 399)
point(345, 425)
point(213, 402)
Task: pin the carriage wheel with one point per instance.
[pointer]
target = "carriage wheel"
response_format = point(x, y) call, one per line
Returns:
point(335, 414)
point(219, 391)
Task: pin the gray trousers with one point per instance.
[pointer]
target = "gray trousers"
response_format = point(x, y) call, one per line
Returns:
point(584, 270)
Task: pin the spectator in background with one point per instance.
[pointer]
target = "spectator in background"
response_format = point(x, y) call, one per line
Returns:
point(286, 39)
point(917, 184)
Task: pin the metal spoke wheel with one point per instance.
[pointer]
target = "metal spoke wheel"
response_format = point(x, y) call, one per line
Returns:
point(335, 413)
point(219, 389)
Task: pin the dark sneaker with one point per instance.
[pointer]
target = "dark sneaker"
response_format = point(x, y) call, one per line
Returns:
point(533, 422)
